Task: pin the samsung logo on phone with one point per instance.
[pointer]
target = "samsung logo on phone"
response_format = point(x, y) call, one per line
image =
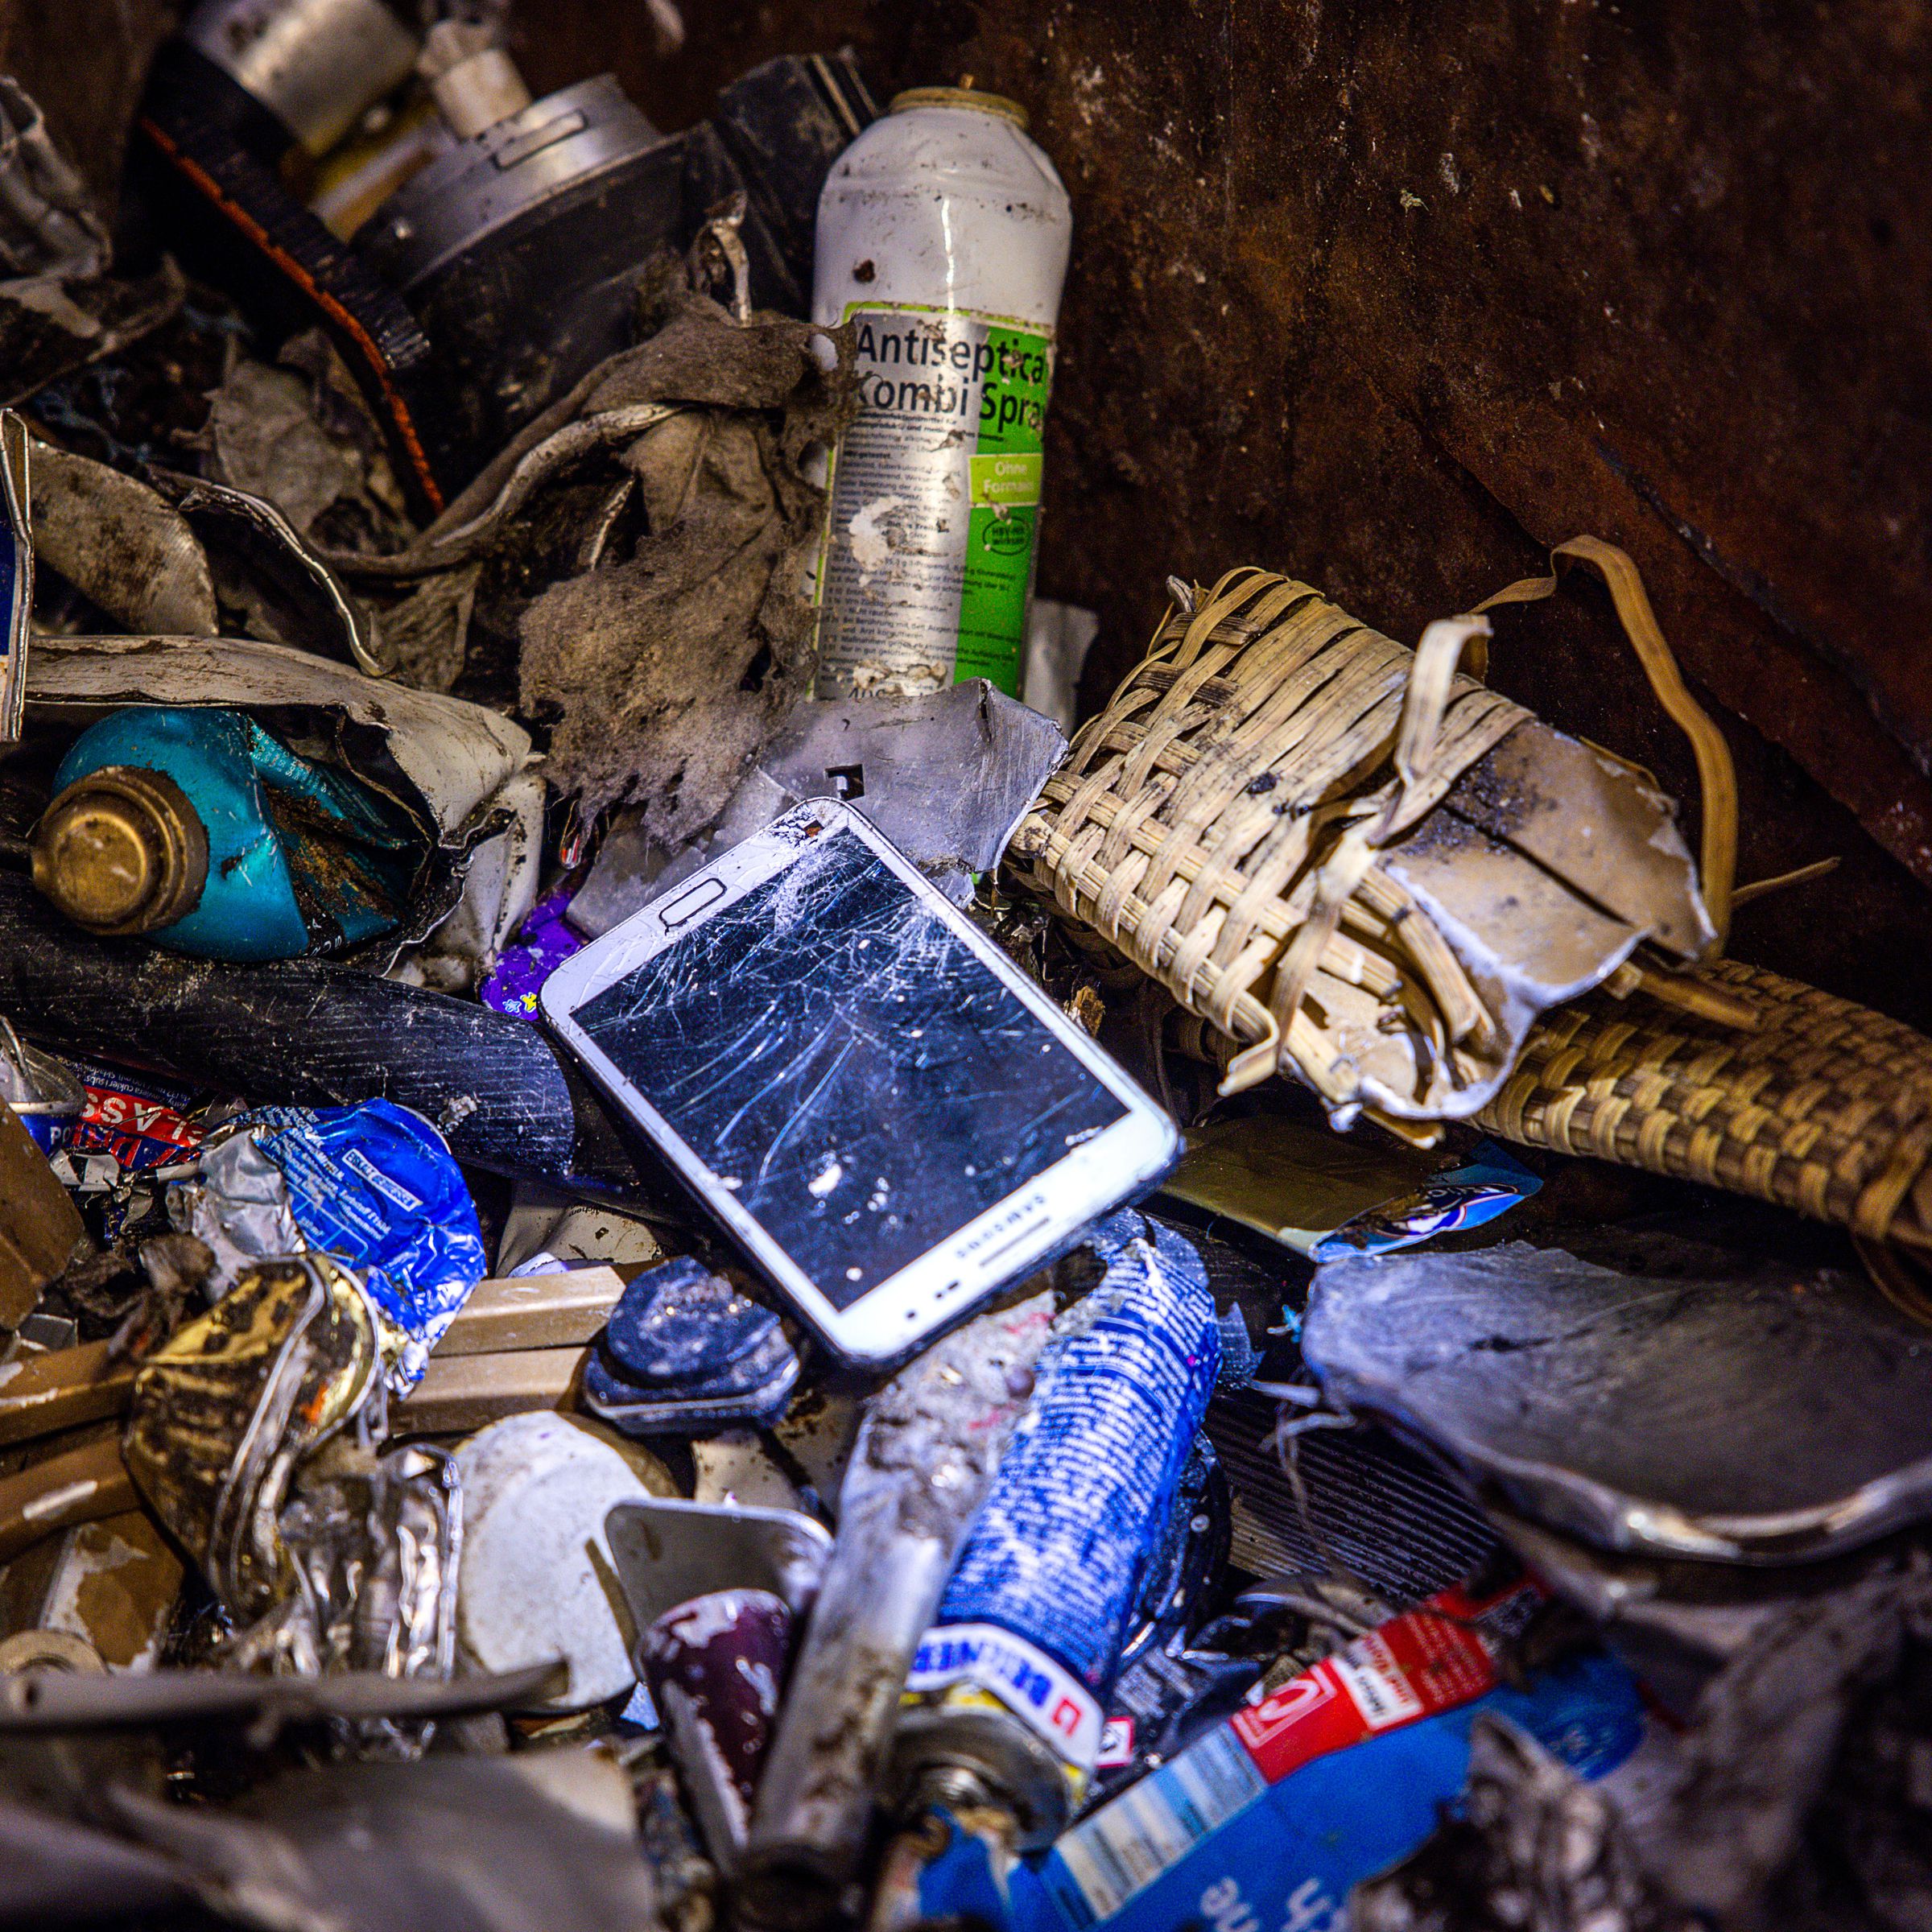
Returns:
point(1005, 1224)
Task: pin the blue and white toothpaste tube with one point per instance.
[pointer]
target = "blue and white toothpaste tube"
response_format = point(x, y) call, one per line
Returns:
point(1012, 1677)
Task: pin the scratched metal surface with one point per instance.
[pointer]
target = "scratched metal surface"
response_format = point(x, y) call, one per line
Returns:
point(1587, 1396)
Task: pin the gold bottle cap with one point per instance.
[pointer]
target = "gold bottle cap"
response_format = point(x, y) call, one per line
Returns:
point(122, 851)
point(959, 96)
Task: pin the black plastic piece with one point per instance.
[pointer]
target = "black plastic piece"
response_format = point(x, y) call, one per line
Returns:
point(309, 1034)
point(783, 125)
point(525, 311)
point(255, 239)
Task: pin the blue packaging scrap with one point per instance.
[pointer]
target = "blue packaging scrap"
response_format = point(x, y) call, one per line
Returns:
point(374, 1185)
point(1491, 1182)
point(1206, 1842)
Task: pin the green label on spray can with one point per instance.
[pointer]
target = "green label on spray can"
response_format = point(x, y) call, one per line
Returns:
point(935, 494)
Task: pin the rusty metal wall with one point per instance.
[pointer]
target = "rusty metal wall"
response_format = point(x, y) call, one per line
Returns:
point(1391, 297)
point(84, 61)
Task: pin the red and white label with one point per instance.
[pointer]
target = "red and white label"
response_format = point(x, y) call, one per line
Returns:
point(137, 1130)
point(1430, 1659)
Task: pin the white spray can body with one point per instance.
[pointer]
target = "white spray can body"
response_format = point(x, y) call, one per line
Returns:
point(944, 234)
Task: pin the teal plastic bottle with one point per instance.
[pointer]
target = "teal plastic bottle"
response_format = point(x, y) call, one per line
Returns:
point(200, 831)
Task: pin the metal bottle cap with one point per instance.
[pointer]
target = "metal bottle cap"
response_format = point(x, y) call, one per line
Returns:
point(121, 851)
point(944, 1749)
point(959, 96)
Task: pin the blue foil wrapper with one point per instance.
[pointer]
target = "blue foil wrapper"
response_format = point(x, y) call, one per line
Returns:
point(1085, 1492)
point(374, 1185)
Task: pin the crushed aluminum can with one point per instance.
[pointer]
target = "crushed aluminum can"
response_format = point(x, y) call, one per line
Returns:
point(225, 1409)
point(137, 1120)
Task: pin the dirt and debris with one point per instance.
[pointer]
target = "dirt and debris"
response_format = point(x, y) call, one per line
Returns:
point(701, 641)
point(656, 1277)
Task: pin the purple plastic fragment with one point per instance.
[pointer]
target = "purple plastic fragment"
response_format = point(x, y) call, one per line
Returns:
point(544, 943)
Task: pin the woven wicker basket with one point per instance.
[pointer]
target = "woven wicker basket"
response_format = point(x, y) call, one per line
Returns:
point(1824, 1106)
point(1253, 820)
point(1149, 839)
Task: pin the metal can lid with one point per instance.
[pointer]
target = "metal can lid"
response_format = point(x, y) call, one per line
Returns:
point(959, 96)
point(121, 851)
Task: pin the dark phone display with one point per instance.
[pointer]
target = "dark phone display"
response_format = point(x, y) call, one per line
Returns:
point(859, 1079)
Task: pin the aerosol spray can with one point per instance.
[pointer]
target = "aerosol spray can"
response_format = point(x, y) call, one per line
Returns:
point(1001, 1722)
point(944, 234)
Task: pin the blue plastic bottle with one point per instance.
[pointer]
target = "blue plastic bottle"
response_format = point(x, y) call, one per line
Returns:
point(200, 830)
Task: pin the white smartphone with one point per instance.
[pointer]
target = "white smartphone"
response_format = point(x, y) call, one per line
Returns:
point(891, 1119)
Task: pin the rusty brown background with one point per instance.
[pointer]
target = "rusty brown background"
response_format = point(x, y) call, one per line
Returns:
point(84, 61)
point(1391, 297)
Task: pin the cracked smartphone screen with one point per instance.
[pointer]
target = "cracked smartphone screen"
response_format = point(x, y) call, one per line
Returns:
point(862, 1083)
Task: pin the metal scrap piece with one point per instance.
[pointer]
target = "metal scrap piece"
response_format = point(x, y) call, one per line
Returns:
point(224, 1410)
point(120, 542)
point(1772, 1413)
point(541, 1842)
point(926, 1453)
